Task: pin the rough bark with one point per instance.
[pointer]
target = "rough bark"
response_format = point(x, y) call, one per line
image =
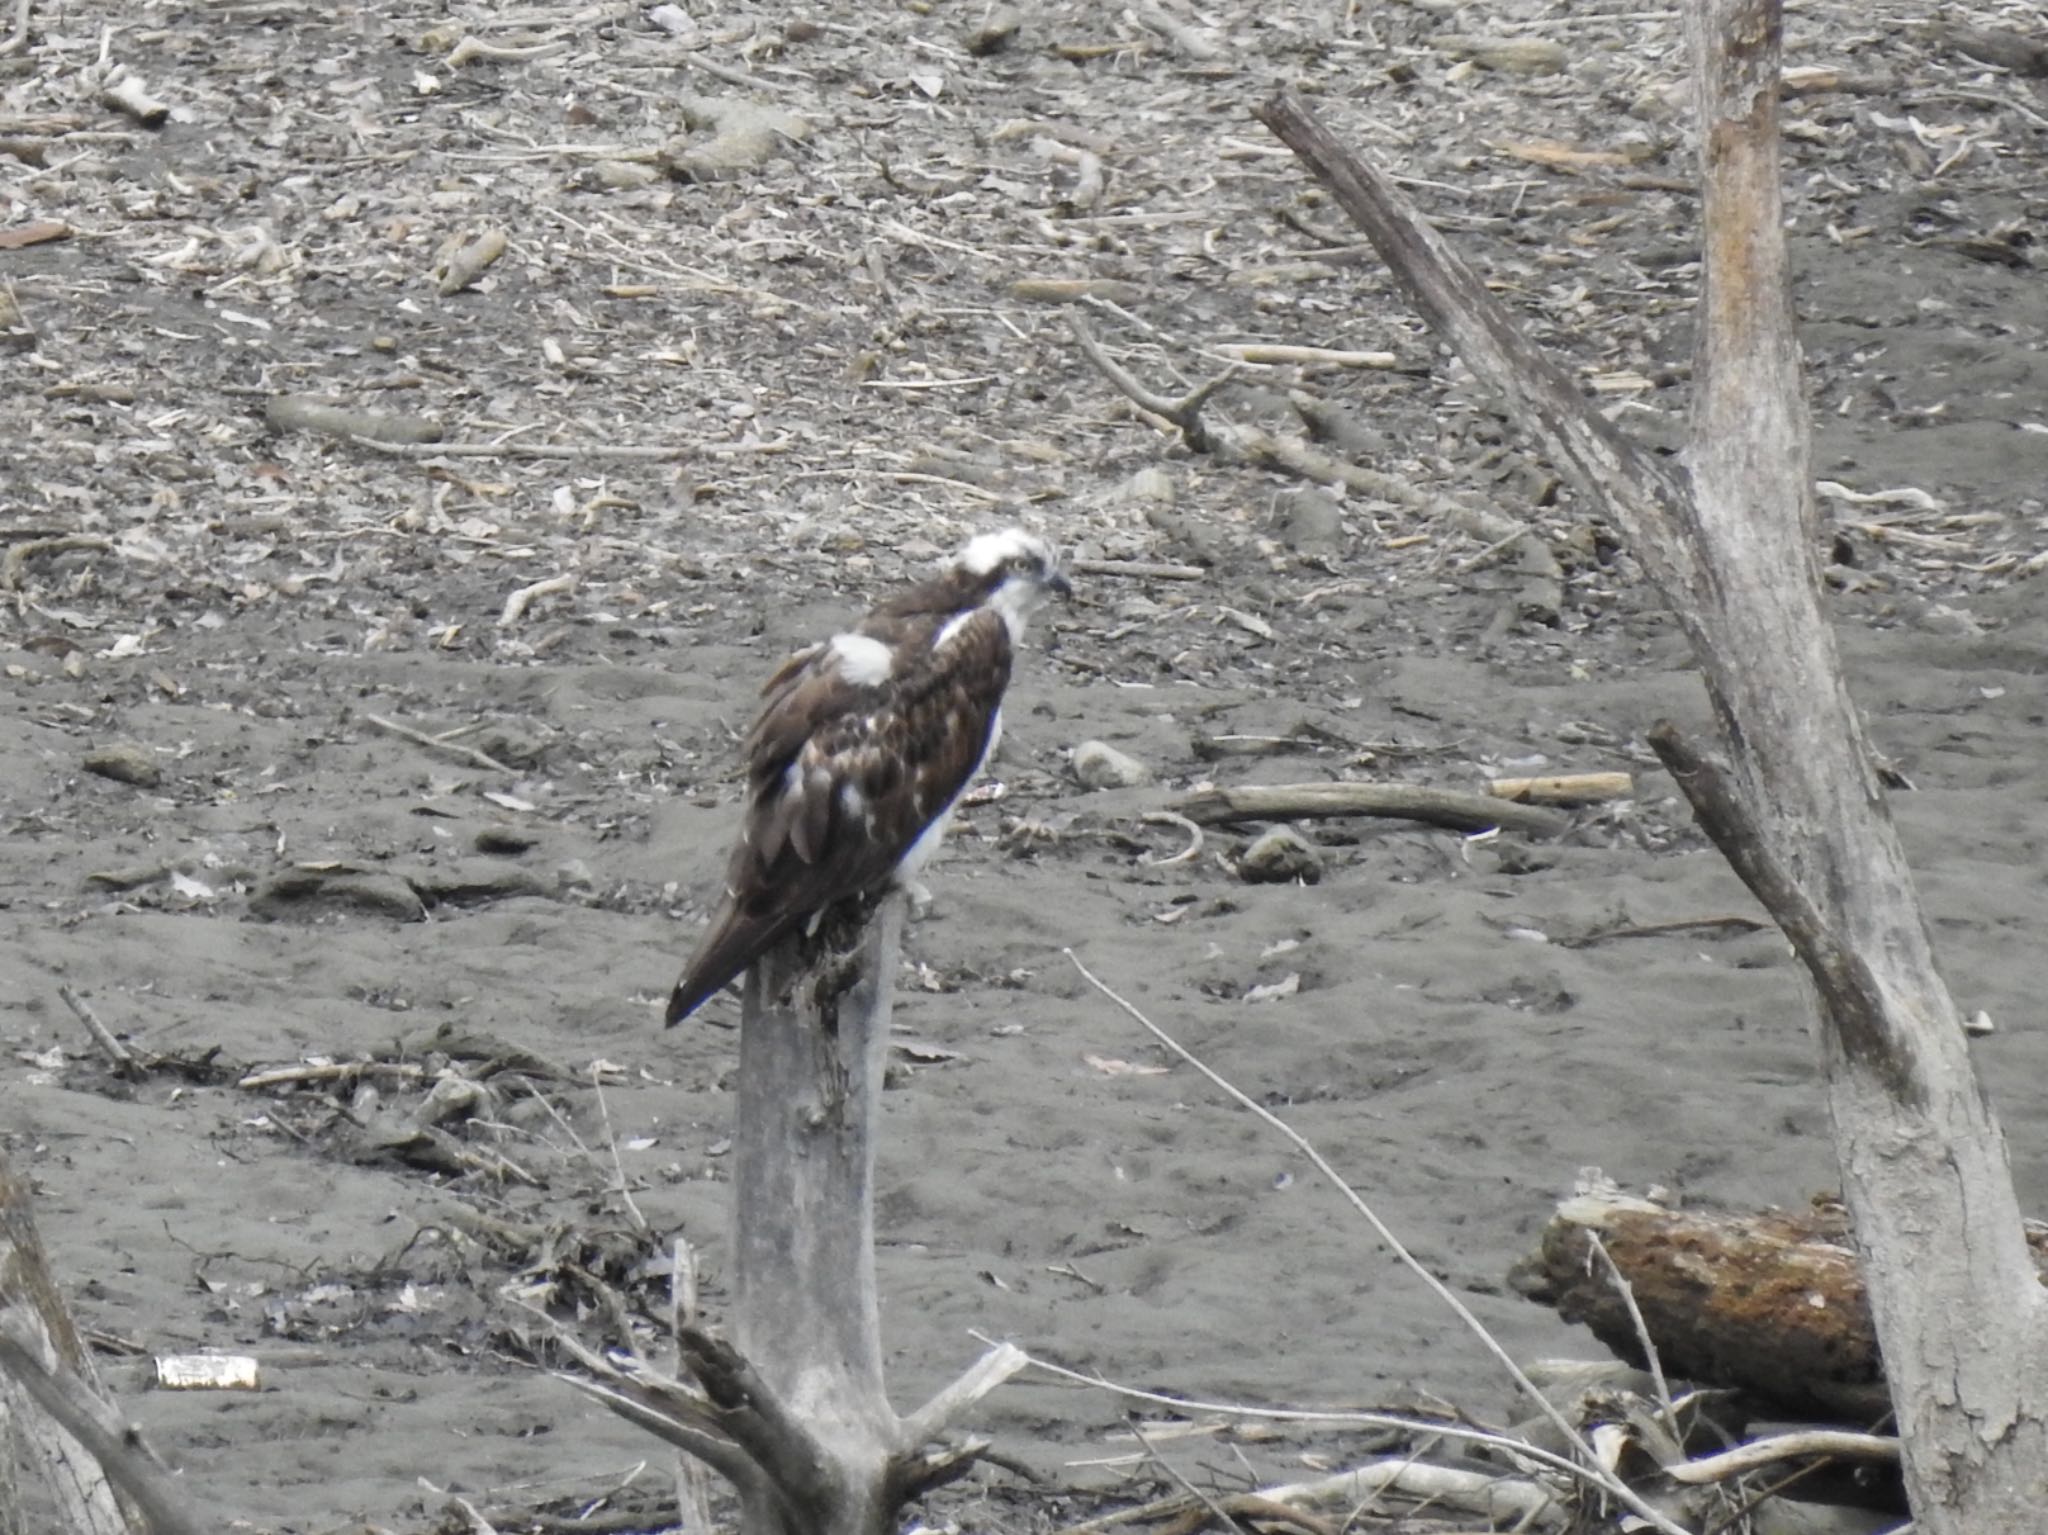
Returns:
point(1798, 810)
point(1769, 1302)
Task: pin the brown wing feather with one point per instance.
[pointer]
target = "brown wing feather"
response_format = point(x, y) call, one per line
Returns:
point(842, 780)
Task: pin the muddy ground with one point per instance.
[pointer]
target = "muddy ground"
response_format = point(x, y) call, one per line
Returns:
point(771, 397)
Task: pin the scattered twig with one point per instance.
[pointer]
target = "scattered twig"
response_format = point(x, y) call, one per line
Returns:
point(471, 261)
point(328, 1071)
point(611, 1142)
point(1187, 854)
point(303, 413)
point(1139, 570)
point(1563, 788)
point(1759, 1453)
point(15, 565)
point(1505, 1443)
point(1262, 352)
point(1737, 924)
point(1437, 807)
point(470, 49)
point(126, 91)
point(1223, 1519)
point(517, 604)
point(1184, 414)
point(470, 754)
point(118, 1054)
point(1635, 1315)
point(617, 453)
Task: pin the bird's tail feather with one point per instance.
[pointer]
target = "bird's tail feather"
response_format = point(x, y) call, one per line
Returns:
point(736, 942)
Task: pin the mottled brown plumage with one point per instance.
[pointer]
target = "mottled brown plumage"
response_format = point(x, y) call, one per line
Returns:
point(862, 746)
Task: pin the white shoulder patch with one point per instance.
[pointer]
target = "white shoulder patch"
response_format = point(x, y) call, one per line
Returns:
point(864, 662)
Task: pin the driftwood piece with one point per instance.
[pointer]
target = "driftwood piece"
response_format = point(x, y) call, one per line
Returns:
point(1772, 1303)
point(1400, 801)
point(1731, 540)
point(1564, 788)
point(303, 413)
point(1998, 46)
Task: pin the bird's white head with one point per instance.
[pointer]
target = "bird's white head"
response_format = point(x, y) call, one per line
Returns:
point(1016, 573)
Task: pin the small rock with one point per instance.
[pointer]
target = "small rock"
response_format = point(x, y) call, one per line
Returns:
point(1314, 521)
point(997, 31)
point(307, 894)
point(1280, 857)
point(505, 841)
point(1098, 765)
point(125, 762)
point(512, 744)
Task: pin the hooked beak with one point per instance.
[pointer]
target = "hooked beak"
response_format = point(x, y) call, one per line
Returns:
point(1058, 584)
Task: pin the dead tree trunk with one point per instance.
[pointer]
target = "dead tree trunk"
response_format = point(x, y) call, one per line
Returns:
point(49, 1397)
point(1797, 808)
point(813, 1038)
point(792, 1410)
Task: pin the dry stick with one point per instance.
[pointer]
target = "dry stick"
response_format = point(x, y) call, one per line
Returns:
point(1438, 807)
point(1222, 1519)
point(1759, 1453)
point(123, 1060)
point(1504, 1443)
point(1184, 414)
point(517, 604)
point(18, 38)
point(1612, 1485)
point(1635, 1315)
point(482, 759)
point(611, 1141)
point(1266, 352)
point(1564, 788)
point(12, 568)
point(1139, 570)
point(553, 451)
point(1187, 854)
point(331, 1071)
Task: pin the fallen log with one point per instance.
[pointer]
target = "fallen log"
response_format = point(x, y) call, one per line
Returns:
point(1771, 1302)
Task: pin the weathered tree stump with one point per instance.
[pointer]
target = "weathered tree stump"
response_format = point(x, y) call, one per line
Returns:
point(791, 1410)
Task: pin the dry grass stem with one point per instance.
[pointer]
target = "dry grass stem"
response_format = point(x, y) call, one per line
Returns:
point(1612, 1485)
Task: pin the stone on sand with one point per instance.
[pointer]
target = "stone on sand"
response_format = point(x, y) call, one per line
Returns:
point(125, 762)
point(1098, 765)
point(1279, 857)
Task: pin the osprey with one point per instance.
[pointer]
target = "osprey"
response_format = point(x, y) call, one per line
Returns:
point(863, 746)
